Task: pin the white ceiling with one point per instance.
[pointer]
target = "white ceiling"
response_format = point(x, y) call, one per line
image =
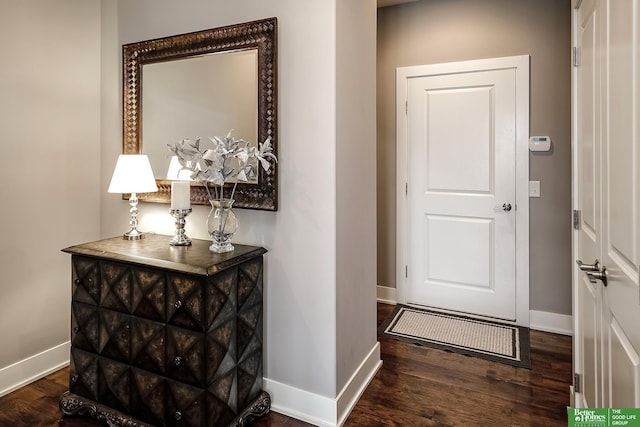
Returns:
point(383, 3)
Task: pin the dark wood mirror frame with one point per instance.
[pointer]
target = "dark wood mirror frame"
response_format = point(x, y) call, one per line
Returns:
point(260, 35)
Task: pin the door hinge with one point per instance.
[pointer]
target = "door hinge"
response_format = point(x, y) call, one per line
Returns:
point(406, 107)
point(576, 219)
point(406, 271)
point(406, 188)
point(576, 56)
point(577, 383)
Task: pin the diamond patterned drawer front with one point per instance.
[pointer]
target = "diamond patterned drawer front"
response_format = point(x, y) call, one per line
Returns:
point(86, 281)
point(85, 326)
point(166, 336)
point(185, 305)
point(147, 345)
point(148, 294)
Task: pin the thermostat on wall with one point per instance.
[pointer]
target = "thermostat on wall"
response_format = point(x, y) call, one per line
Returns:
point(539, 143)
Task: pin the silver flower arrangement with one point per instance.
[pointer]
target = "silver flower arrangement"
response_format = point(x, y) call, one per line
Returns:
point(226, 158)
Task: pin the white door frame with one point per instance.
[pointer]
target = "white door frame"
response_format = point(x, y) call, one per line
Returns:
point(521, 64)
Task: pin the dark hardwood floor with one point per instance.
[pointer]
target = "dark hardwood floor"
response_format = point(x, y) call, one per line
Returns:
point(415, 387)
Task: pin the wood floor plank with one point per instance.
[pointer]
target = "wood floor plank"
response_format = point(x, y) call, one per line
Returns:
point(416, 387)
point(452, 389)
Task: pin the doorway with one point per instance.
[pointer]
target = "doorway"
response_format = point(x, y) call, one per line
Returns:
point(462, 158)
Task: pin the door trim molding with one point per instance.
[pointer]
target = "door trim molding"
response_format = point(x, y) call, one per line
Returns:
point(403, 74)
point(578, 397)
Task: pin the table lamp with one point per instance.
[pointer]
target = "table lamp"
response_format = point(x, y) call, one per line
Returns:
point(133, 175)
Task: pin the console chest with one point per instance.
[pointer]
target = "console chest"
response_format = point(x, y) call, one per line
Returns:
point(164, 335)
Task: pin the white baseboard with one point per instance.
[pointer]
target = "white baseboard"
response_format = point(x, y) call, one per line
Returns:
point(300, 404)
point(33, 368)
point(551, 322)
point(387, 295)
point(358, 383)
point(320, 410)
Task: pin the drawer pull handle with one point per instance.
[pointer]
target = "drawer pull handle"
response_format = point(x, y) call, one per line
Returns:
point(178, 360)
point(177, 304)
point(178, 415)
point(74, 378)
point(77, 281)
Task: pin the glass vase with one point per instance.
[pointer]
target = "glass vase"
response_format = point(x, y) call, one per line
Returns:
point(221, 224)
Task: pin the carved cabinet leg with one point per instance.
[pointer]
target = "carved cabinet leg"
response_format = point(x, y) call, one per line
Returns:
point(257, 409)
point(72, 404)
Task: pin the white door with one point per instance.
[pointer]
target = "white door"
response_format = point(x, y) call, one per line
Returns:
point(461, 133)
point(607, 194)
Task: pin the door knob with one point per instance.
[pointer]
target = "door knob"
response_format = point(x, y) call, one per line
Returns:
point(595, 271)
point(588, 267)
point(505, 207)
point(601, 275)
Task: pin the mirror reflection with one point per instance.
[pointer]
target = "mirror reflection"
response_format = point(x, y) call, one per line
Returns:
point(195, 97)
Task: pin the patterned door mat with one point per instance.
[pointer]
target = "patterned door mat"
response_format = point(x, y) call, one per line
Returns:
point(494, 341)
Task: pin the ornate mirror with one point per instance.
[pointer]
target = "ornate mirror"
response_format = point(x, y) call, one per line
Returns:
point(203, 84)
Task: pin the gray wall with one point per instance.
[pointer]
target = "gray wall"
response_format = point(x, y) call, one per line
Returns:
point(355, 166)
point(49, 184)
point(435, 31)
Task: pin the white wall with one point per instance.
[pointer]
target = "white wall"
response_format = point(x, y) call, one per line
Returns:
point(49, 180)
point(302, 281)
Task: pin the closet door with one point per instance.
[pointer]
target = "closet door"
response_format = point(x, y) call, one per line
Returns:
point(620, 206)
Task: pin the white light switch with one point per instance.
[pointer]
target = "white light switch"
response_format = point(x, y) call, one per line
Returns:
point(534, 188)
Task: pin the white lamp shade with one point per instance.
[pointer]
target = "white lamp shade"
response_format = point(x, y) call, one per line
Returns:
point(133, 174)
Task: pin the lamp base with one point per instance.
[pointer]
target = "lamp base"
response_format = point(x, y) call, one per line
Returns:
point(133, 234)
